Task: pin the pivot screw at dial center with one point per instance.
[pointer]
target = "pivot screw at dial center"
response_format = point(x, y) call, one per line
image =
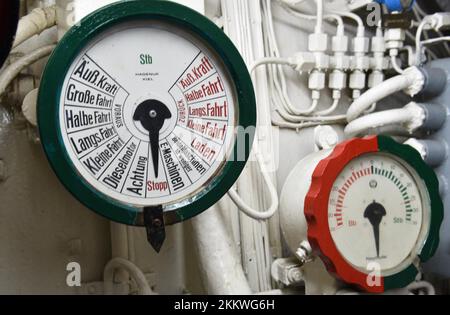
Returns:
point(153, 114)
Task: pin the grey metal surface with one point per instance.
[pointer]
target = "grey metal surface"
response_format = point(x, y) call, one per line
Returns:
point(441, 261)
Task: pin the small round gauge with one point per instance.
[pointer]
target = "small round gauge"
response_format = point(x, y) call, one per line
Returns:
point(140, 107)
point(378, 213)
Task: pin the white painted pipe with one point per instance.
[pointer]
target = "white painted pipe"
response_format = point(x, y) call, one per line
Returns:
point(379, 119)
point(123, 264)
point(119, 249)
point(35, 23)
point(8, 75)
point(221, 269)
point(411, 78)
point(257, 214)
point(422, 285)
point(119, 240)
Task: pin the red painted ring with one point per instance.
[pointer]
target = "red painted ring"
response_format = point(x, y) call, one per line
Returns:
point(316, 210)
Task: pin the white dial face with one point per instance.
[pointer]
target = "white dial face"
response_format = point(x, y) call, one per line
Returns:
point(377, 213)
point(147, 114)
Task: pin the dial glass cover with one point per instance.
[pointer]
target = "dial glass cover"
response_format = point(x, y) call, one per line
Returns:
point(146, 105)
point(147, 114)
point(377, 213)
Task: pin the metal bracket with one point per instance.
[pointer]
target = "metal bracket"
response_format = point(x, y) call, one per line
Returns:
point(154, 224)
point(287, 271)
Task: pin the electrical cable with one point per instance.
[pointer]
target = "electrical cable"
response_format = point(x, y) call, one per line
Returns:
point(249, 211)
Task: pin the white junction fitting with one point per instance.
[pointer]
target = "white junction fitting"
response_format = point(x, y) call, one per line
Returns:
point(378, 62)
point(411, 81)
point(410, 117)
point(222, 271)
point(135, 273)
point(8, 75)
point(35, 23)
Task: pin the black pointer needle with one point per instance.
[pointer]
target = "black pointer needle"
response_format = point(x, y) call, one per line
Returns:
point(152, 114)
point(375, 213)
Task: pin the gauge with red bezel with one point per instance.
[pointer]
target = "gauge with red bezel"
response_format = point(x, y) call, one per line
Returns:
point(374, 212)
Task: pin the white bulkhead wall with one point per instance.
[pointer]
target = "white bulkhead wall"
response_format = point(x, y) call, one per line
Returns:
point(43, 227)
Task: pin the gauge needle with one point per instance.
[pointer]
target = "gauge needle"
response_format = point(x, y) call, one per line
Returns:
point(375, 213)
point(152, 114)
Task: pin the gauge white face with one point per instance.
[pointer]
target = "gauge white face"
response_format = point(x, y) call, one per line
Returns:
point(377, 213)
point(147, 114)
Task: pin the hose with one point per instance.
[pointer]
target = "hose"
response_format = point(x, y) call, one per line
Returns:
point(319, 22)
point(8, 75)
point(283, 90)
point(132, 269)
point(357, 19)
point(35, 23)
point(270, 60)
point(395, 65)
point(425, 22)
point(249, 211)
point(297, 119)
point(330, 109)
point(436, 40)
point(336, 17)
point(298, 126)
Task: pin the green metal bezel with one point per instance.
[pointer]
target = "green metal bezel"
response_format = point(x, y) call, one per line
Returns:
point(80, 36)
point(413, 158)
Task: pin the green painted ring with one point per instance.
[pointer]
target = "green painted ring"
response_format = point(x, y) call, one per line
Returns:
point(61, 59)
point(413, 158)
